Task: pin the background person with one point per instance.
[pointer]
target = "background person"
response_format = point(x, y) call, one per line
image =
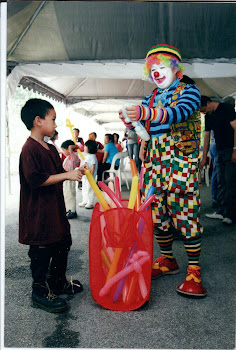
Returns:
point(71, 162)
point(100, 147)
point(88, 196)
point(79, 140)
point(116, 142)
point(133, 147)
point(221, 118)
point(109, 151)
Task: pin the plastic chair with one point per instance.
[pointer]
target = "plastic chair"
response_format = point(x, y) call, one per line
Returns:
point(120, 171)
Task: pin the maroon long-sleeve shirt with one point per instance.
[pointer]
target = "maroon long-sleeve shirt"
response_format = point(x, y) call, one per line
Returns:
point(42, 216)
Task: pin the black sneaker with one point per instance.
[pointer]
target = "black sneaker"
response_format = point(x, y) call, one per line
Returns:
point(71, 214)
point(44, 299)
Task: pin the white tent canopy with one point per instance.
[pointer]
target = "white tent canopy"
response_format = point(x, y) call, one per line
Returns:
point(75, 51)
point(79, 50)
point(76, 81)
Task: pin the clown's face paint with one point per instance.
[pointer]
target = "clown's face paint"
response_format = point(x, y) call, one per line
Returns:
point(163, 76)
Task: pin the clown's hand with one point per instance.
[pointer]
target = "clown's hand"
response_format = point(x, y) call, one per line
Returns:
point(121, 115)
point(129, 113)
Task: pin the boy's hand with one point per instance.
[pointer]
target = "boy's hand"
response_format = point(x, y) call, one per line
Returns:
point(76, 175)
point(83, 168)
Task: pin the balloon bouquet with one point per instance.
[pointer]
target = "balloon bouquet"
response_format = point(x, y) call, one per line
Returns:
point(120, 245)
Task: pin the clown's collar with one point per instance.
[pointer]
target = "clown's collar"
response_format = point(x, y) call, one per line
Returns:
point(173, 85)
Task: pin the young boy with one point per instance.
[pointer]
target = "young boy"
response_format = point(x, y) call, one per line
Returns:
point(69, 187)
point(90, 148)
point(43, 224)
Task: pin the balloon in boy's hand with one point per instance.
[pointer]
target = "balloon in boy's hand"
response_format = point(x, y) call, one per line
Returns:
point(96, 190)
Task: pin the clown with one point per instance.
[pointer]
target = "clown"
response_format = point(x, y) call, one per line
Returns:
point(171, 116)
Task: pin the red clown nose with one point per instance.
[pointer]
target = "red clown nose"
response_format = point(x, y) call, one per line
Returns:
point(156, 74)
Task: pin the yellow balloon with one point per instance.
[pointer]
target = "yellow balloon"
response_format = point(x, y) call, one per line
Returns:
point(133, 192)
point(80, 153)
point(70, 126)
point(131, 204)
point(96, 190)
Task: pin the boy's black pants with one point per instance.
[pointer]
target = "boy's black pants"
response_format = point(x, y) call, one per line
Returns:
point(49, 263)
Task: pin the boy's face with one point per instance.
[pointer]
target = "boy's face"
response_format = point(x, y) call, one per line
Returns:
point(163, 76)
point(48, 125)
point(66, 152)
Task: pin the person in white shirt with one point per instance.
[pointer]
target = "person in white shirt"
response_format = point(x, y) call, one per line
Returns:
point(90, 148)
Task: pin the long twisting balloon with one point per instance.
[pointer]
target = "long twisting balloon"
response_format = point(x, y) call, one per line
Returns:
point(139, 128)
point(70, 126)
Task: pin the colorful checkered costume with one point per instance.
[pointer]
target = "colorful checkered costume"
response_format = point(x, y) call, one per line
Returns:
point(171, 164)
point(172, 117)
point(171, 168)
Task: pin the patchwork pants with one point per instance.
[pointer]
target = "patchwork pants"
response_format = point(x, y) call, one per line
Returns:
point(175, 178)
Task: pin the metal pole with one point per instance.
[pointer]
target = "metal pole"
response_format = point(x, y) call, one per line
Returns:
point(218, 96)
point(26, 28)
point(3, 68)
point(8, 150)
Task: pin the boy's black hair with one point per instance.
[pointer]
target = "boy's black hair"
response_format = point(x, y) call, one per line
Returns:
point(92, 146)
point(77, 130)
point(67, 143)
point(110, 137)
point(95, 135)
point(204, 100)
point(33, 108)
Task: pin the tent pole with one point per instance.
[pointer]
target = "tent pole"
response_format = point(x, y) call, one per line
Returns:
point(78, 86)
point(3, 73)
point(8, 151)
point(218, 96)
point(27, 28)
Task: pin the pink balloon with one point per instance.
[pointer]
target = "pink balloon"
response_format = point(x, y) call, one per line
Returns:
point(142, 258)
point(117, 188)
point(141, 178)
point(142, 285)
point(147, 202)
point(111, 194)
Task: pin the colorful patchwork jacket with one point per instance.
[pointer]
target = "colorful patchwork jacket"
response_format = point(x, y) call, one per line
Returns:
point(176, 111)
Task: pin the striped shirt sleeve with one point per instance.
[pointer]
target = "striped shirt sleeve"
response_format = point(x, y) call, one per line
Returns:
point(188, 102)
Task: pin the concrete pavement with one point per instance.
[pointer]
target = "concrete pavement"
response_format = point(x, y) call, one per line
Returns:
point(168, 321)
